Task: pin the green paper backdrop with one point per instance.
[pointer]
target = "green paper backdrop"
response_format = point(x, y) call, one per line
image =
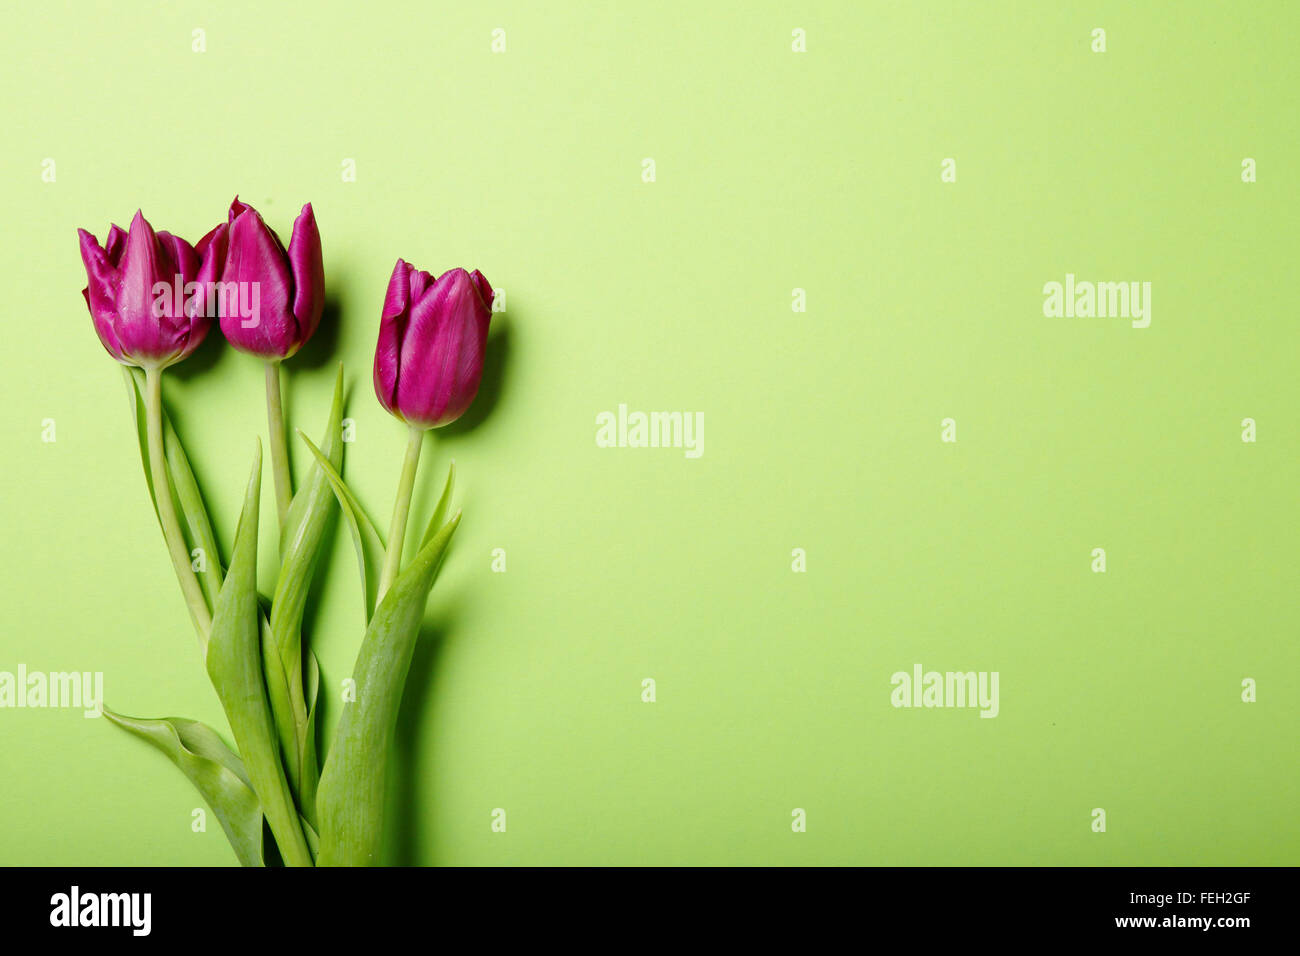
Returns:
point(774, 171)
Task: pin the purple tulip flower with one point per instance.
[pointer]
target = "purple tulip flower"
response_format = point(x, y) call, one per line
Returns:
point(142, 293)
point(268, 300)
point(432, 338)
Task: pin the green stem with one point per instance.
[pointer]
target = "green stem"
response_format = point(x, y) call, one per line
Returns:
point(401, 509)
point(279, 448)
point(171, 525)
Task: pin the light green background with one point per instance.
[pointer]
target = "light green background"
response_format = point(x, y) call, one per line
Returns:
point(775, 170)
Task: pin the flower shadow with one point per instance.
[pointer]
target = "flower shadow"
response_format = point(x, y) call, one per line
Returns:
point(321, 350)
point(492, 386)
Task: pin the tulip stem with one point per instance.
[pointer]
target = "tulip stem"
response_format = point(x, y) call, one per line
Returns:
point(162, 492)
point(401, 509)
point(279, 448)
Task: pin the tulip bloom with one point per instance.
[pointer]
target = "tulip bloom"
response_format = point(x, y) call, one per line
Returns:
point(269, 299)
point(432, 337)
point(428, 365)
point(147, 298)
point(142, 293)
point(269, 302)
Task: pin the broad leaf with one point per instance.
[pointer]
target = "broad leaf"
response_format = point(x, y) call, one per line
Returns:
point(350, 801)
point(216, 772)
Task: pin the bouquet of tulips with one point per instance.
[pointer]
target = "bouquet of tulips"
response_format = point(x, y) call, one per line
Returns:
point(152, 298)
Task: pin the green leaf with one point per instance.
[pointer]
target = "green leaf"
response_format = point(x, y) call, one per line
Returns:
point(234, 664)
point(444, 504)
point(300, 548)
point(313, 841)
point(350, 801)
point(216, 772)
point(278, 696)
point(189, 499)
point(365, 539)
point(311, 758)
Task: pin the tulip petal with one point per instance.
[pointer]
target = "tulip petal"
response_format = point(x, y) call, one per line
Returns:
point(98, 267)
point(420, 282)
point(187, 262)
point(202, 246)
point(143, 335)
point(139, 266)
point(256, 261)
point(115, 244)
point(237, 209)
point(392, 327)
point(100, 292)
point(100, 273)
point(212, 253)
point(107, 337)
point(398, 297)
point(442, 353)
point(308, 273)
point(182, 255)
point(484, 288)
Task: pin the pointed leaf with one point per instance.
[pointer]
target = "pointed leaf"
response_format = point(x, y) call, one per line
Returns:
point(444, 505)
point(278, 695)
point(311, 759)
point(235, 666)
point(365, 539)
point(216, 772)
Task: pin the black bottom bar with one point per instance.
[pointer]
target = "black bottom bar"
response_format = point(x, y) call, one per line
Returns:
point(334, 906)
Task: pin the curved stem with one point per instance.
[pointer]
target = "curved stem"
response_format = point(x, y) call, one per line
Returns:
point(279, 449)
point(162, 491)
point(401, 509)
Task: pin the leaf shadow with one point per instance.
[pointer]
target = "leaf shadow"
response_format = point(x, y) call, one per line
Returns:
point(320, 577)
point(411, 840)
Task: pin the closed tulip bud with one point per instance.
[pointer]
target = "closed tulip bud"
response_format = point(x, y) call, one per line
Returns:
point(145, 295)
point(268, 300)
point(432, 337)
